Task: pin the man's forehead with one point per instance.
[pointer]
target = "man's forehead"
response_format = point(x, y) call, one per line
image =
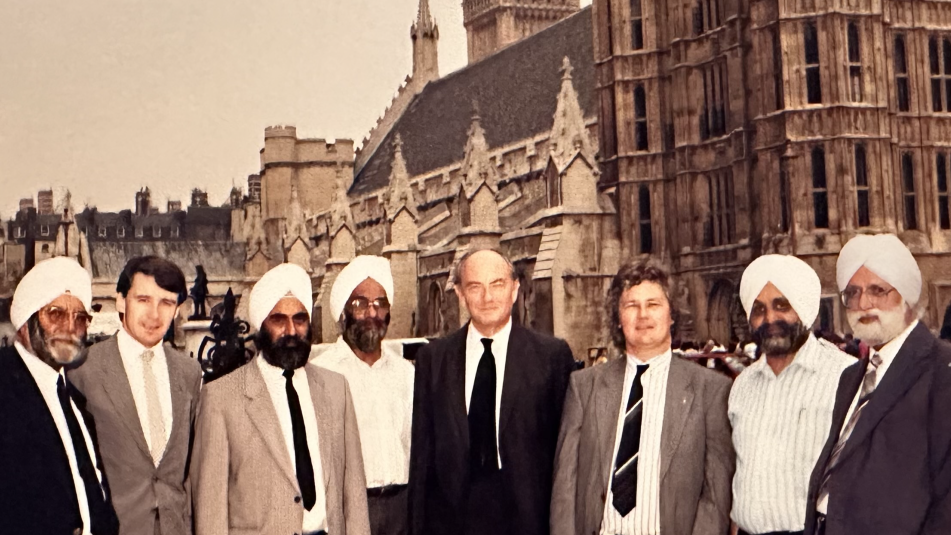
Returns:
point(486, 265)
point(369, 288)
point(770, 293)
point(288, 305)
point(865, 276)
point(67, 300)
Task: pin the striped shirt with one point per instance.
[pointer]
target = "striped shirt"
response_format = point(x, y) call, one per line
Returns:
point(645, 518)
point(780, 425)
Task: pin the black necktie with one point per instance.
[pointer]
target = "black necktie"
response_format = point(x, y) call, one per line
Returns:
point(305, 468)
point(624, 484)
point(87, 470)
point(483, 453)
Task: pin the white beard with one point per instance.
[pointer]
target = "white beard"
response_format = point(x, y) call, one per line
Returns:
point(889, 325)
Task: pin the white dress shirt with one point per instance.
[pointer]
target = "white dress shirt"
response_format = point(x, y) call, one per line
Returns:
point(887, 354)
point(46, 379)
point(644, 519)
point(316, 518)
point(383, 402)
point(780, 425)
point(131, 352)
point(474, 350)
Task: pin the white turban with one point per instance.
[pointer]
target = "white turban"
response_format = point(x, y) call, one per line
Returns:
point(279, 282)
point(358, 270)
point(795, 279)
point(48, 280)
point(884, 255)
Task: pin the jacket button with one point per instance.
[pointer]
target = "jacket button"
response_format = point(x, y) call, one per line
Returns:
point(296, 500)
point(78, 531)
point(603, 496)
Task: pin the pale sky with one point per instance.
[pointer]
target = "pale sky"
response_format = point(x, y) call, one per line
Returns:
point(106, 96)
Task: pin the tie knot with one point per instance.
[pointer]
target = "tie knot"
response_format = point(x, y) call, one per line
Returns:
point(288, 373)
point(875, 359)
point(60, 383)
point(148, 355)
point(487, 344)
point(642, 369)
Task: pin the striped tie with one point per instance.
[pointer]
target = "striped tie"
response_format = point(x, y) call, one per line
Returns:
point(153, 408)
point(624, 484)
point(868, 387)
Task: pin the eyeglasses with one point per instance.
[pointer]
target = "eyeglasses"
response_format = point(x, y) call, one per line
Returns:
point(852, 295)
point(360, 305)
point(65, 317)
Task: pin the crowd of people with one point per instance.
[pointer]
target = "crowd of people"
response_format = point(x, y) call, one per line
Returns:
point(493, 431)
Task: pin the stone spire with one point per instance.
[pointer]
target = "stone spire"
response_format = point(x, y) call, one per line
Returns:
point(424, 20)
point(569, 136)
point(425, 35)
point(294, 224)
point(401, 192)
point(340, 213)
point(477, 165)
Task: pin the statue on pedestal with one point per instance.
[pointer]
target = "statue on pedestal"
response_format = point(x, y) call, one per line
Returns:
point(199, 292)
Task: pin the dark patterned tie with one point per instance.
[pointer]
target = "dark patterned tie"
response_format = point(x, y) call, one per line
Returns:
point(483, 451)
point(305, 468)
point(95, 496)
point(624, 484)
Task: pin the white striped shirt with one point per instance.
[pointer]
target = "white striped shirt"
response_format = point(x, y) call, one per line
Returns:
point(780, 425)
point(645, 518)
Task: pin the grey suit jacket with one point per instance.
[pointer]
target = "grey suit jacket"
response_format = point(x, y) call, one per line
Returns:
point(141, 492)
point(697, 460)
point(242, 476)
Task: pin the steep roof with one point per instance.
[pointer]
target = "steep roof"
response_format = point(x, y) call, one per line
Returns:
point(516, 90)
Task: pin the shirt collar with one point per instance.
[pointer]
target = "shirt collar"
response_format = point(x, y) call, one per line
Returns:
point(654, 363)
point(502, 336)
point(345, 353)
point(42, 373)
point(807, 358)
point(133, 348)
point(891, 349)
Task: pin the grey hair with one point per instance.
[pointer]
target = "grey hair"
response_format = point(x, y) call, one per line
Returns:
point(457, 274)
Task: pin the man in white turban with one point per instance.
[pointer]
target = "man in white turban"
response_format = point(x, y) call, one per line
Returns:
point(886, 467)
point(299, 473)
point(781, 406)
point(51, 478)
point(382, 382)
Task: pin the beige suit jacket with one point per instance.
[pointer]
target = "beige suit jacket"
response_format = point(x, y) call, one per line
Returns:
point(697, 460)
point(141, 492)
point(242, 477)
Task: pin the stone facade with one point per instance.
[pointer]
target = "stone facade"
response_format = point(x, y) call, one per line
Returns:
point(494, 24)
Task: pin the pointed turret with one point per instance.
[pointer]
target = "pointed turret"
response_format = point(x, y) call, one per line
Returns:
point(569, 135)
point(401, 193)
point(477, 166)
point(425, 35)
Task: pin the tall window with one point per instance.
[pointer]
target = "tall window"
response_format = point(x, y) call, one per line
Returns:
point(721, 223)
point(855, 64)
point(554, 188)
point(861, 186)
point(644, 219)
point(901, 74)
point(640, 118)
point(706, 16)
point(820, 194)
point(941, 170)
point(120, 232)
point(784, 195)
point(44, 230)
point(637, 25)
point(908, 190)
point(713, 114)
point(810, 40)
point(778, 70)
point(940, 63)
point(102, 231)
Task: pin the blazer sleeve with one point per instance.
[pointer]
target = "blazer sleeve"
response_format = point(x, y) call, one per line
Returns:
point(421, 454)
point(209, 467)
point(356, 515)
point(565, 486)
point(716, 498)
point(564, 364)
point(192, 415)
point(938, 520)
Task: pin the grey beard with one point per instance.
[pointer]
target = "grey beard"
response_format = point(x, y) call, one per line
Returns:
point(366, 335)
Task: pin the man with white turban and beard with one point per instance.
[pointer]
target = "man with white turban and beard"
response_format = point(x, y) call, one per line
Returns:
point(51, 477)
point(781, 406)
point(886, 467)
point(277, 448)
point(382, 384)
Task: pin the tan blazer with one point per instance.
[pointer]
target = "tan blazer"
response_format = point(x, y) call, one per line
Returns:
point(141, 492)
point(242, 476)
point(697, 459)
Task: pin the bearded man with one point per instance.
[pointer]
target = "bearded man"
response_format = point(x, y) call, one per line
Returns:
point(51, 476)
point(886, 467)
point(781, 406)
point(382, 382)
point(277, 448)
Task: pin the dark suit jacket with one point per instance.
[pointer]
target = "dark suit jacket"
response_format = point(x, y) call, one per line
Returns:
point(139, 487)
point(894, 474)
point(37, 494)
point(697, 459)
point(533, 391)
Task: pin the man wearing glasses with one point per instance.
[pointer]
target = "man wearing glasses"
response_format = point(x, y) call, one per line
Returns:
point(381, 382)
point(886, 467)
point(51, 477)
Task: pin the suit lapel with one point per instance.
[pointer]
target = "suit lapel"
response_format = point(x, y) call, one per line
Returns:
point(608, 401)
point(116, 385)
point(456, 379)
point(325, 427)
point(677, 402)
point(513, 377)
point(261, 412)
point(177, 378)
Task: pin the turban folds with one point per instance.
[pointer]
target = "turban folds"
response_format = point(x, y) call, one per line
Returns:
point(48, 280)
point(279, 282)
point(795, 279)
point(884, 255)
point(358, 270)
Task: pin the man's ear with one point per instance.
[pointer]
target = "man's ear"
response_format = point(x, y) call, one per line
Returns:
point(120, 303)
point(23, 336)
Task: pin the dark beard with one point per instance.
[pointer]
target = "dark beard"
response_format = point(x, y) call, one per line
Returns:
point(39, 340)
point(786, 342)
point(365, 335)
point(288, 352)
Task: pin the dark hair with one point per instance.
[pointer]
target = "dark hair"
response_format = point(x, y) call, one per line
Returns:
point(627, 277)
point(167, 275)
point(457, 275)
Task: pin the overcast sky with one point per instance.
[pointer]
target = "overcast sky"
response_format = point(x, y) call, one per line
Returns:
point(107, 96)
